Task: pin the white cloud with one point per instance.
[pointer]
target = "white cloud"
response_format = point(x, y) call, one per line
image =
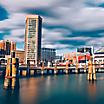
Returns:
point(98, 1)
point(16, 39)
point(16, 35)
point(96, 42)
point(18, 32)
point(55, 34)
point(14, 21)
point(85, 19)
point(79, 38)
point(57, 46)
point(16, 5)
point(73, 14)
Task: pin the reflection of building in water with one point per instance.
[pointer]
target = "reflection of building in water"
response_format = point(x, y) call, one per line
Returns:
point(92, 90)
point(30, 92)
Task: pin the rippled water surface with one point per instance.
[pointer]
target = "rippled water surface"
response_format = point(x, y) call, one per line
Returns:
point(57, 89)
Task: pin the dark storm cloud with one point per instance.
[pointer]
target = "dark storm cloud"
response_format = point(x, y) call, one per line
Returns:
point(92, 34)
point(47, 12)
point(75, 43)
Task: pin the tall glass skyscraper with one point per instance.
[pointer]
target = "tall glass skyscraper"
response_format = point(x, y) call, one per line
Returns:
point(33, 38)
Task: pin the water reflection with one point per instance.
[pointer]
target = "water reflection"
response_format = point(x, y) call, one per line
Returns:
point(11, 83)
point(11, 96)
point(92, 90)
point(60, 89)
point(11, 92)
point(29, 91)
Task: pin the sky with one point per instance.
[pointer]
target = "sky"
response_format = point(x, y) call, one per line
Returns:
point(67, 24)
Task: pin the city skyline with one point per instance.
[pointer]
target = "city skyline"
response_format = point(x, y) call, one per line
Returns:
point(63, 27)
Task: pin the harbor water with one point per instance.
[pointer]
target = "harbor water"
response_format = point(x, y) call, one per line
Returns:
point(55, 89)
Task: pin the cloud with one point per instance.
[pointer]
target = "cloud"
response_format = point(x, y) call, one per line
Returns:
point(15, 6)
point(15, 21)
point(66, 23)
point(58, 46)
point(16, 35)
point(96, 42)
point(16, 39)
point(54, 35)
point(98, 1)
point(82, 20)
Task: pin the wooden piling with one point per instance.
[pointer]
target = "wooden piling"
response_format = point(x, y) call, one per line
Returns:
point(67, 67)
point(94, 72)
point(42, 68)
point(28, 69)
point(11, 73)
point(90, 68)
point(91, 71)
point(55, 69)
point(77, 66)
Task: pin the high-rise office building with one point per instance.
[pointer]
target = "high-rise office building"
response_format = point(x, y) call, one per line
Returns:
point(33, 39)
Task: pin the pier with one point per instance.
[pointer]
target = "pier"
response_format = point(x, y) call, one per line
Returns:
point(24, 71)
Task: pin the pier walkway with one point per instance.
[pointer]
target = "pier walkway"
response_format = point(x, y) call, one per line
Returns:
point(32, 70)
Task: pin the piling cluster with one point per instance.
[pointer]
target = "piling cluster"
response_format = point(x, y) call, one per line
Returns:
point(11, 73)
point(91, 71)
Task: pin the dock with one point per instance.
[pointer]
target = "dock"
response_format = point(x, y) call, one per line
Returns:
point(24, 71)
